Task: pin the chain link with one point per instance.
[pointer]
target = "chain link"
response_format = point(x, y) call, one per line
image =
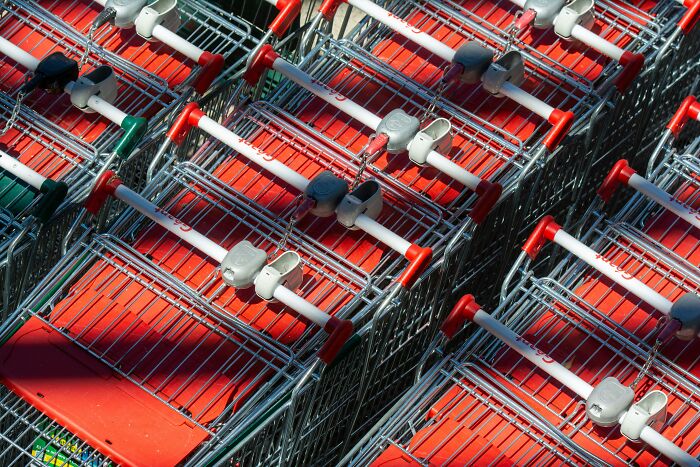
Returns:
point(88, 46)
point(364, 160)
point(442, 86)
point(293, 218)
point(647, 363)
point(15, 113)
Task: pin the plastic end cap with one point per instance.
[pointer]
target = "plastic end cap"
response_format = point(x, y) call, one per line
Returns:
point(329, 7)
point(620, 173)
point(105, 186)
point(632, 64)
point(339, 331)
point(135, 128)
point(211, 66)
point(545, 230)
point(189, 117)
point(562, 122)
point(419, 261)
point(463, 311)
point(263, 60)
point(489, 194)
point(289, 10)
point(691, 17)
point(53, 195)
point(689, 108)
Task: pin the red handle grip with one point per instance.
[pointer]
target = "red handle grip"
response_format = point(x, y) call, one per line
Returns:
point(464, 310)
point(189, 117)
point(419, 261)
point(339, 331)
point(211, 66)
point(104, 188)
point(562, 122)
point(329, 7)
point(288, 11)
point(263, 60)
point(690, 18)
point(632, 64)
point(545, 230)
point(489, 193)
point(620, 173)
point(689, 108)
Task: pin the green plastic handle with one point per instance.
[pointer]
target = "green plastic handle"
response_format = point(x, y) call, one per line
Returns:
point(135, 129)
point(53, 195)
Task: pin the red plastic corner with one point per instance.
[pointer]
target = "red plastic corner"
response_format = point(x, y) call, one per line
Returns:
point(464, 310)
point(105, 186)
point(419, 260)
point(689, 108)
point(690, 18)
point(329, 7)
point(489, 193)
point(620, 173)
point(211, 64)
point(339, 331)
point(189, 117)
point(545, 230)
point(632, 64)
point(288, 11)
point(263, 60)
point(562, 122)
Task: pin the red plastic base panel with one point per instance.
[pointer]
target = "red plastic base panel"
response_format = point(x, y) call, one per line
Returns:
point(112, 414)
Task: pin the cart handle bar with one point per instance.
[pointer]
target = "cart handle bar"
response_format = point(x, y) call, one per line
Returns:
point(289, 10)
point(689, 109)
point(545, 231)
point(489, 192)
point(622, 173)
point(464, 310)
point(691, 17)
point(419, 258)
point(338, 330)
point(211, 66)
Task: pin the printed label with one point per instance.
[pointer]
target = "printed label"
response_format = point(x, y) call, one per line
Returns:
point(545, 358)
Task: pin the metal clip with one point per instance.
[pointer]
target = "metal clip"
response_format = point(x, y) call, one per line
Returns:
point(686, 310)
point(509, 67)
point(474, 60)
point(649, 411)
point(545, 11)
point(365, 199)
point(400, 128)
point(125, 11)
point(242, 264)
point(286, 270)
point(578, 12)
point(608, 401)
point(100, 82)
point(435, 137)
point(161, 12)
point(327, 191)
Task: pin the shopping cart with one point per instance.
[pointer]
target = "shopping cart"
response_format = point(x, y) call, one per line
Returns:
point(174, 341)
point(36, 150)
point(300, 181)
point(588, 36)
point(575, 356)
point(186, 43)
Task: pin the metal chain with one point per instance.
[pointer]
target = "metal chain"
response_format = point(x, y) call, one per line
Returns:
point(88, 46)
point(364, 160)
point(511, 33)
point(290, 225)
point(647, 364)
point(15, 113)
point(442, 86)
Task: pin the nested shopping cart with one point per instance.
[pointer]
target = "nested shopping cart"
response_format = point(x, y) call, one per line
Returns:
point(185, 43)
point(42, 166)
point(148, 329)
point(313, 187)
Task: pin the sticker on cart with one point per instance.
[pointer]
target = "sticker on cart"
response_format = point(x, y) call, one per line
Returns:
point(61, 449)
